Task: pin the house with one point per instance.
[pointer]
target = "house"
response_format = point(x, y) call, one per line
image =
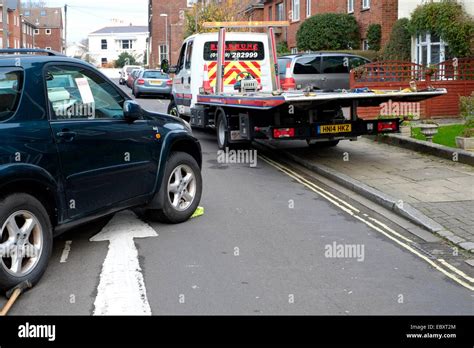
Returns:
point(48, 22)
point(11, 37)
point(27, 33)
point(366, 12)
point(106, 44)
point(76, 50)
point(426, 48)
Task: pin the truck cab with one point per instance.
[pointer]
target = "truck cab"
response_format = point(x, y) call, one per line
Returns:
point(245, 52)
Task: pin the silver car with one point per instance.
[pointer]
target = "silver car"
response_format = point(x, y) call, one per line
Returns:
point(152, 82)
point(320, 70)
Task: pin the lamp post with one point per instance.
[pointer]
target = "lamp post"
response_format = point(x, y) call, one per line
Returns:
point(166, 34)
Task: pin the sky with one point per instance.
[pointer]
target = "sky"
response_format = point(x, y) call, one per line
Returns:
point(86, 16)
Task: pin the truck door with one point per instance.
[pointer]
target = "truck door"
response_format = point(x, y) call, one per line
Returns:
point(186, 78)
point(178, 81)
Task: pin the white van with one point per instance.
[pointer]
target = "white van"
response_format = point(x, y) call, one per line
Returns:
point(245, 52)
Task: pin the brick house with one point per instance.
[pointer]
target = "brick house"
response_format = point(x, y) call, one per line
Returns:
point(366, 12)
point(49, 27)
point(28, 34)
point(171, 14)
point(13, 25)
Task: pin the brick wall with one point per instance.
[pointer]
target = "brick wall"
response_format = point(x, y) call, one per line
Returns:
point(55, 40)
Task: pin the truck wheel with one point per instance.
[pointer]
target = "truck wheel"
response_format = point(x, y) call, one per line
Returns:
point(173, 109)
point(26, 240)
point(322, 144)
point(182, 187)
point(222, 133)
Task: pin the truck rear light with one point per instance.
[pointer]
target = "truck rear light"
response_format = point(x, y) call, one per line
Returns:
point(141, 81)
point(279, 133)
point(387, 126)
point(169, 82)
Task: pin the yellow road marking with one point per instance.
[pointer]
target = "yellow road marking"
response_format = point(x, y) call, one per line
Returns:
point(337, 201)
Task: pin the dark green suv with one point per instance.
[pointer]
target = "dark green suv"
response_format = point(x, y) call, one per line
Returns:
point(74, 147)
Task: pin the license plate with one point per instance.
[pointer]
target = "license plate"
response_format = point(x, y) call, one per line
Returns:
point(335, 128)
point(155, 83)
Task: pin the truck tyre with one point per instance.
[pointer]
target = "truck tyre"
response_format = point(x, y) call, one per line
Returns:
point(173, 109)
point(323, 144)
point(182, 189)
point(26, 240)
point(222, 133)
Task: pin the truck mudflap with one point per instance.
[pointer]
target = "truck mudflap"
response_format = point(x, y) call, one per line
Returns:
point(331, 131)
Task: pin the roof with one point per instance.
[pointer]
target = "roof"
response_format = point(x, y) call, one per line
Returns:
point(44, 17)
point(122, 30)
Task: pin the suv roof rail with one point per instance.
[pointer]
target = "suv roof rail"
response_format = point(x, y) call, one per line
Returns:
point(30, 50)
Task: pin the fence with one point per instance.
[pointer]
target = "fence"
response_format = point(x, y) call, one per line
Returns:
point(456, 75)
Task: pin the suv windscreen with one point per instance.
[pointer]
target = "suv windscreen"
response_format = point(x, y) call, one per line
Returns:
point(236, 50)
point(11, 84)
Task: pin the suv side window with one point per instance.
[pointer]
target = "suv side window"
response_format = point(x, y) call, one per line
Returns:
point(308, 65)
point(189, 55)
point(335, 65)
point(11, 84)
point(357, 61)
point(78, 93)
point(180, 64)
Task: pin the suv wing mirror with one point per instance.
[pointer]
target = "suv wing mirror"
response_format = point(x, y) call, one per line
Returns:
point(132, 111)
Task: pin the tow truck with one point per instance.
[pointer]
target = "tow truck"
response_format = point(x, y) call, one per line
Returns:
point(229, 81)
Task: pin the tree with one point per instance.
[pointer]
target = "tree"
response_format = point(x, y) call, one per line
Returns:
point(125, 58)
point(328, 31)
point(282, 48)
point(399, 44)
point(374, 36)
point(211, 12)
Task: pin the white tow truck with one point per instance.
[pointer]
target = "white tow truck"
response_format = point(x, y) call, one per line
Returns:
point(230, 82)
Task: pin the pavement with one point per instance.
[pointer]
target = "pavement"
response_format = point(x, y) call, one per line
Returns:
point(270, 242)
point(441, 190)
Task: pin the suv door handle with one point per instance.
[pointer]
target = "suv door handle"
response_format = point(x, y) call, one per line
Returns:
point(66, 135)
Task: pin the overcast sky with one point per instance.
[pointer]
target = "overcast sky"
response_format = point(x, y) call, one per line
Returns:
point(86, 16)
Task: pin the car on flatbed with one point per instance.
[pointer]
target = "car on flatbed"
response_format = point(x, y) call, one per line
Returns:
point(73, 148)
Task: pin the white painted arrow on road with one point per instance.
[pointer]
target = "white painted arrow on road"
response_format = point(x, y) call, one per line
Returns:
point(121, 288)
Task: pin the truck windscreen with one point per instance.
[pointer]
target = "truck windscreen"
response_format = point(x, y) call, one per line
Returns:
point(236, 50)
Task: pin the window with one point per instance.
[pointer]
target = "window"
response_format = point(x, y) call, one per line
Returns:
point(280, 12)
point(355, 62)
point(43, 13)
point(163, 52)
point(282, 63)
point(365, 44)
point(37, 31)
point(430, 49)
point(295, 10)
point(180, 64)
point(294, 50)
point(155, 75)
point(126, 44)
point(308, 65)
point(236, 50)
point(103, 44)
point(308, 8)
point(77, 94)
point(103, 61)
point(365, 4)
point(350, 6)
point(47, 31)
point(189, 55)
point(335, 65)
point(48, 48)
point(11, 84)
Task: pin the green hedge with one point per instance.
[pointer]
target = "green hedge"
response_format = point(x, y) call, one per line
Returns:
point(374, 36)
point(399, 45)
point(328, 31)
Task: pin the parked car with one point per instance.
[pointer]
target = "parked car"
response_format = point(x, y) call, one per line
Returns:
point(126, 70)
point(152, 82)
point(74, 147)
point(132, 77)
point(320, 70)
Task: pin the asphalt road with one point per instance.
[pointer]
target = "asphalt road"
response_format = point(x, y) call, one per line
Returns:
point(260, 248)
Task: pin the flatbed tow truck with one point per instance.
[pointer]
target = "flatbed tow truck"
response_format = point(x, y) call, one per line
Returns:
point(247, 101)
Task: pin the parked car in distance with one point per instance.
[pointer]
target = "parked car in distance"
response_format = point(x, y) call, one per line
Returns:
point(132, 77)
point(126, 70)
point(152, 82)
point(320, 70)
point(74, 147)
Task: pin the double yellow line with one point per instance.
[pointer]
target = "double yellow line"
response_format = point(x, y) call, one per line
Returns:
point(441, 265)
